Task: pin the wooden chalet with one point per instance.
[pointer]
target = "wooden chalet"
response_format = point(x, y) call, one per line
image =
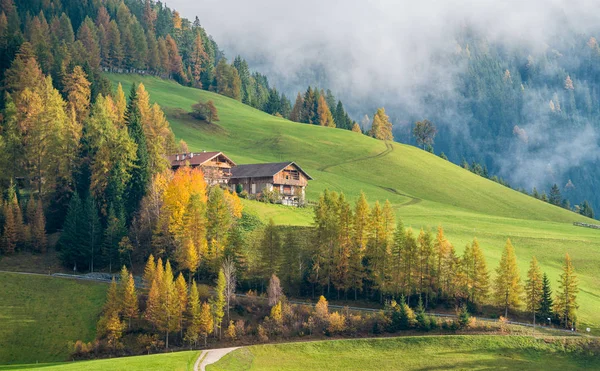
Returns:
point(215, 165)
point(286, 177)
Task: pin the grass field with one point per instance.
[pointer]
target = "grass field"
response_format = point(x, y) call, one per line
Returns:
point(408, 353)
point(425, 190)
point(40, 315)
point(179, 361)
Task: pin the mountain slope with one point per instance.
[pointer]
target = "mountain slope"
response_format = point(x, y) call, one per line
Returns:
point(424, 189)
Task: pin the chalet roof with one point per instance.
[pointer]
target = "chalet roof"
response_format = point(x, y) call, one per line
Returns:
point(196, 159)
point(263, 170)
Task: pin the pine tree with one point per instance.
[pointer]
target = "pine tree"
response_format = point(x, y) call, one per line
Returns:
point(152, 313)
point(206, 321)
point(169, 312)
point(398, 257)
point(546, 302)
point(91, 232)
point(555, 197)
point(9, 237)
point(296, 114)
point(324, 113)
point(77, 88)
point(182, 293)
point(270, 250)
point(193, 315)
point(218, 302)
point(140, 175)
point(38, 229)
point(130, 300)
point(381, 127)
point(356, 128)
point(533, 288)
point(475, 273)
point(113, 234)
point(359, 243)
point(565, 305)
point(149, 272)
point(70, 251)
point(112, 303)
point(508, 282)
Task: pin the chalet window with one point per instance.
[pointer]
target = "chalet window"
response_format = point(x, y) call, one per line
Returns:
point(253, 188)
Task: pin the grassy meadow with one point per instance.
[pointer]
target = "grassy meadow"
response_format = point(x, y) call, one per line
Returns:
point(179, 361)
point(409, 353)
point(40, 315)
point(425, 190)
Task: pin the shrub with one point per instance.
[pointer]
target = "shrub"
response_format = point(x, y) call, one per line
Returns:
point(337, 323)
point(462, 319)
point(262, 334)
point(231, 331)
point(205, 111)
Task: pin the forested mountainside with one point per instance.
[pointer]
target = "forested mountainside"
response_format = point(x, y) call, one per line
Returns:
point(526, 114)
point(529, 112)
point(531, 117)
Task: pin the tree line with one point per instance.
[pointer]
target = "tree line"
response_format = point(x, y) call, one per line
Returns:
point(142, 37)
point(362, 252)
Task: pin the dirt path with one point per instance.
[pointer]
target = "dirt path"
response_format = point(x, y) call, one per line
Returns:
point(208, 357)
point(388, 148)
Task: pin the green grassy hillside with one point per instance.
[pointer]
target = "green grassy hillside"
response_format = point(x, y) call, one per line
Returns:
point(425, 190)
point(40, 315)
point(409, 353)
point(179, 361)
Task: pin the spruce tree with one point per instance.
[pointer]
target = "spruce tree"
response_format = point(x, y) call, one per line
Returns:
point(555, 197)
point(546, 303)
point(140, 175)
point(69, 241)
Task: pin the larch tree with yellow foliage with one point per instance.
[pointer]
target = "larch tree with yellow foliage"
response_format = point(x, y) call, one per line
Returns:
point(565, 304)
point(382, 127)
point(507, 287)
point(324, 113)
point(476, 275)
point(533, 288)
point(193, 315)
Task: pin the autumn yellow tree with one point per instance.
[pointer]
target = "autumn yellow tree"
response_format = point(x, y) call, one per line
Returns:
point(533, 288)
point(360, 237)
point(565, 305)
point(78, 92)
point(507, 288)
point(149, 272)
point(476, 275)
point(206, 322)
point(199, 57)
point(193, 315)
point(382, 127)
point(130, 300)
point(182, 293)
point(324, 113)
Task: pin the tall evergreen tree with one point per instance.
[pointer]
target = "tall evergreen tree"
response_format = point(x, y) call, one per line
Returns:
point(545, 311)
point(140, 175)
